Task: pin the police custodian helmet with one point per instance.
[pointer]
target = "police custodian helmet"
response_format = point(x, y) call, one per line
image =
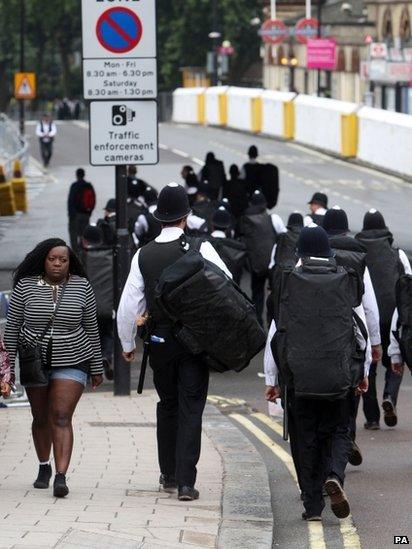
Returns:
point(173, 204)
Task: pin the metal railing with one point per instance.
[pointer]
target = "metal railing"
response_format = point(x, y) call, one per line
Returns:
point(12, 145)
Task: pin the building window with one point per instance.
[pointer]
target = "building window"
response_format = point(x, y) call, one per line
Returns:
point(355, 60)
point(405, 30)
point(387, 31)
point(341, 66)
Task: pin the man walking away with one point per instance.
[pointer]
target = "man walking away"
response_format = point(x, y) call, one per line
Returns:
point(135, 186)
point(251, 170)
point(351, 254)
point(46, 131)
point(259, 231)
point(284, 251)
point(318, 206)
point(180, 378)
point(236, 191)
point(309, 358)
point(147, 227)
point(214, 173)
point(81, 203)
point(98, 261)
point(107, 225)
point(386, 265)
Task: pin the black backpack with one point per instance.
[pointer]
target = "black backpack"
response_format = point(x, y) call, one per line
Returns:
point(315, 341)
point(98, 263)
point(404, 329)
point(349, 253)
point(269, 184)
point(259, 236)
point(214, 173)
point(211, 316)
point(234, 255)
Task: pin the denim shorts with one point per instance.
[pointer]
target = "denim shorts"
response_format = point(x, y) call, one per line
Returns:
point(72, 374)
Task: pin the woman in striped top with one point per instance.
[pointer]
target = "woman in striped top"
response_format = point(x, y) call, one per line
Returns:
point(70, 349)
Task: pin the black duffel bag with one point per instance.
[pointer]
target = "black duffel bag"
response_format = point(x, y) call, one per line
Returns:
point(211, 316)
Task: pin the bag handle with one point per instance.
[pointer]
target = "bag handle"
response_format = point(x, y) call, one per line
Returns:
point(53, 316)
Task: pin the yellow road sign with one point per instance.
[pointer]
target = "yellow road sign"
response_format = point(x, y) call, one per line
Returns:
point(24, 85)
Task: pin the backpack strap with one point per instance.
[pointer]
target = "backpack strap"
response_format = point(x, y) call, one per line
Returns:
point(361, 326)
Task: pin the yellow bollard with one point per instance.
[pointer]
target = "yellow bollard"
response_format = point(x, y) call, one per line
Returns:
point(7, 204)
point(257, 114)
point(19, 186)
point(349, 135)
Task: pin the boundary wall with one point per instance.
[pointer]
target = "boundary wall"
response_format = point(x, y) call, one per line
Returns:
point(377, 137)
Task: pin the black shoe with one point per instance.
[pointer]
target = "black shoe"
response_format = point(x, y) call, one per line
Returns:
point(355, 456)
point(108, 370)
point(390, 417)
point(43, 478)
point(187, 493)
point(338, 501)
point(311, 518)
point(167, 483)
point(60, 489)
point(372, 425)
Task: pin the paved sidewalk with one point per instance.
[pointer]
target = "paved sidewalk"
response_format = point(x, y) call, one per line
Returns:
point(114, 499)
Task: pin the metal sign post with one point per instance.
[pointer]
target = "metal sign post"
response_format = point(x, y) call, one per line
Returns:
point(120, 75)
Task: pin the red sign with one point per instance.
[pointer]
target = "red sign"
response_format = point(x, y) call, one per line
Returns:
point(119, 30)
point(273, 31)
point(321, 54)
point(306, 29)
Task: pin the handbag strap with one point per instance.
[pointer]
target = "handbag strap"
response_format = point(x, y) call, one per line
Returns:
point(53, 316)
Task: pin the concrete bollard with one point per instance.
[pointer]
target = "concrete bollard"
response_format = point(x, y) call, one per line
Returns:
point(7, 203)
point(19, 186)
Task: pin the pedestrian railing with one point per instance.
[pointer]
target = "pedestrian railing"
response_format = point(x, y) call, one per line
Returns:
point(12, 145)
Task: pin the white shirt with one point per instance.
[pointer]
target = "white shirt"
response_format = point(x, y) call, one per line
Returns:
point(307, 222)
point(405, 262)
point(218, 234)
point(371, 309)
point(278, 224)
point(46, 135)
point(133, 301)
point(394, 350)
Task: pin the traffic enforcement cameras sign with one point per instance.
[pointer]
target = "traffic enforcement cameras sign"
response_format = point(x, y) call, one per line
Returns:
point(119, 28)
point(123, 132)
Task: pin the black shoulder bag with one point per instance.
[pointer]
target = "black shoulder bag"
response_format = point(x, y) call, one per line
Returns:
point(32, 370)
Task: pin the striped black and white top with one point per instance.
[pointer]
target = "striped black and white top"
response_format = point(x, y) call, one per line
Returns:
point(75, 334)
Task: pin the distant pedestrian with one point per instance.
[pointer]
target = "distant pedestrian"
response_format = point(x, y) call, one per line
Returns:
point(214, 173)
point(107, 224)
point(81, 203)
point(251, 170)
point(318, 206)
point(386, 265)
point(135, 186)
point(46, 131)
point(52, 326)
point(236, 191)
point(189, 177)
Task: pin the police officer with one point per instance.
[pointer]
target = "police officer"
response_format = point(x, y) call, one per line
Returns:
point(318, 206)
point(181, 379)
point(386, 264)
point(313, 421)
point(251, 170)
point(108, 224)
point(351, 254)
point(147, 227)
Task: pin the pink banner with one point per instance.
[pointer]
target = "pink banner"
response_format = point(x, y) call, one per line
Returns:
point(321, 54)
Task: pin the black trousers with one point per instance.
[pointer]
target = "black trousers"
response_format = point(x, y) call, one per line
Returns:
point(181, 382)
point(293, 435)
point(106, 337)
point(46, 150)
point(258, 294)
point(321, 452)
point(77, 226)
point(392, 381)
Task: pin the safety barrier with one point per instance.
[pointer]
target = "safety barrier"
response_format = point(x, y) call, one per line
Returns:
point(278, 113)
point(385, 139)
point(216, 105)
point(380, 138)
point(12, 146)
point(189, 105)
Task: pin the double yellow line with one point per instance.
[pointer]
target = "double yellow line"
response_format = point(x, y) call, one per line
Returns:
point(315, 529)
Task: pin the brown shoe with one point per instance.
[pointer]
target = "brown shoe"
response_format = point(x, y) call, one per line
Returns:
point(338, 501)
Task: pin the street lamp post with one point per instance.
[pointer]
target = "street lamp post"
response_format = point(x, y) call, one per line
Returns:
point(22, 60)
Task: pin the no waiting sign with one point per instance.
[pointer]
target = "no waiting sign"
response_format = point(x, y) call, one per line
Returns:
point(116, 28)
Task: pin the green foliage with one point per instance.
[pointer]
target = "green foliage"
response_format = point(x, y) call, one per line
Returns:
point(53, 41)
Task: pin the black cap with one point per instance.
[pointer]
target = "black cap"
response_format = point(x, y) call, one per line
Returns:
point(111, 205)
point(314, 242)
point(221, 218)
point(258, 199)
point(173, 204)
point(150, 196)
point(319, 198)
point(253, 152)
point(373, 220)
point(295, 220)
point(92, 234)
point(336, 221)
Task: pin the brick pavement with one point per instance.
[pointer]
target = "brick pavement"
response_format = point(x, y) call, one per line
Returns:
point(114, 499)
